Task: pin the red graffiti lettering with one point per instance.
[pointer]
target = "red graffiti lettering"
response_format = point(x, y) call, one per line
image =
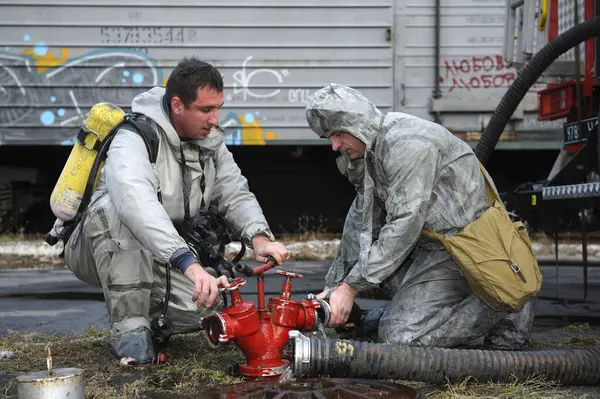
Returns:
point(476, 64)
point(499, 63)
point(449, 70)
point(488, 64)
point(477, 73)
point(465, 67)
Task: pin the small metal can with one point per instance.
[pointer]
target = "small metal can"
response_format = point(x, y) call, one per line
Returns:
point(60, 383)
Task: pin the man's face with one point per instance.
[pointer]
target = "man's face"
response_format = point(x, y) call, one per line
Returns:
point(196, 121)
point(347, 144)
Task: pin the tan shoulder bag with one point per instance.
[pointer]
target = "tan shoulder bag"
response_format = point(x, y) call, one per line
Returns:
point(495, 256)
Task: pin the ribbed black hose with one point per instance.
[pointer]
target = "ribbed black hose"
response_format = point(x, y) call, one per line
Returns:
point(340, 358)
point(526, 78)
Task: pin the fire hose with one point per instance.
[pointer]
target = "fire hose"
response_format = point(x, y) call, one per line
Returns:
point(345, 358)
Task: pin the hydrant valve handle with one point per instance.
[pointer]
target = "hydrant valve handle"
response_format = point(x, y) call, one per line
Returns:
point(235, 284)
point(289, 274)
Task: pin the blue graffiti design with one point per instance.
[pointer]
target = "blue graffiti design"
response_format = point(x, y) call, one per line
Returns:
point(232, 125)
point(40, 49)
point(68, 142)
point(138, 78)
point(249, 117)
point(47, 118)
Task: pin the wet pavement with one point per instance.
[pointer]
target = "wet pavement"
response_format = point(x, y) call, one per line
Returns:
point(54, 301)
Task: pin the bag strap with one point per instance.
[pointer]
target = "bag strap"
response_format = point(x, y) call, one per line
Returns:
point(492, 197)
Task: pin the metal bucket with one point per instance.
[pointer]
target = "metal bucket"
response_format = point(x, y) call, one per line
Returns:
point(52, 384)
point(63, 383)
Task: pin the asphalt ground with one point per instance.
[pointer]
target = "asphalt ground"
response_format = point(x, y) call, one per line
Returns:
point(55, 301)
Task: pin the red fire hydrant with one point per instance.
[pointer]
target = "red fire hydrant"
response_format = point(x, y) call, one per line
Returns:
point(261, 332)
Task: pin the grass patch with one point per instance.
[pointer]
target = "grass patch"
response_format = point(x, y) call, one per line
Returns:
point(578, 327)
point(533, 388)
point(308, 228)
point(569, 339)
point(8, 262)
point(20, 236)
point(577, 341)
point(192, 365)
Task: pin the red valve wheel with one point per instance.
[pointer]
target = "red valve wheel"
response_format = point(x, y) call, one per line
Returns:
point(289, 274)
point(235, 284)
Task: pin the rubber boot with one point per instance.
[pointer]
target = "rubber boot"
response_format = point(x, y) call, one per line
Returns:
point(136, 344)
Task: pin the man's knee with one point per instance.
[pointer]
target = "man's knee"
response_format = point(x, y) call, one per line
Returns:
point(514, 330)
point(400, 336)
point(389, 335)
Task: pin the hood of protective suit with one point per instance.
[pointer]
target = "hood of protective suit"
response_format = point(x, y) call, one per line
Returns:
point(150, 103)
point(338, 108)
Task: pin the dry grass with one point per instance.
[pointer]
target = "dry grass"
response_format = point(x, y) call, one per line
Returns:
point(533, 388)
point(27, 262)
point(194, 367)
point(575, 341)
point(308, 228)
point(20, 236)
point(578, 327)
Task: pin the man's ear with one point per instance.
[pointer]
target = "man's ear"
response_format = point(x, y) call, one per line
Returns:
point(177, 106)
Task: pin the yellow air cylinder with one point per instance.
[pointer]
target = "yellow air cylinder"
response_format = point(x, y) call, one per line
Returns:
point(69, 189)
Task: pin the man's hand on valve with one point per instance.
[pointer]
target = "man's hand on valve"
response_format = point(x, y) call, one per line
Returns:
point(323, 294)
point(341, 302)
point(205, 285)
point(263, 248)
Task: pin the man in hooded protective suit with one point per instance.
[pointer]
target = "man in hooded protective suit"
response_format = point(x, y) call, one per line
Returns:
point(409, 174)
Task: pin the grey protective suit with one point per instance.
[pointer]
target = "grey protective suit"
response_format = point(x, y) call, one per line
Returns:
point(127, 236)
point(414, 174)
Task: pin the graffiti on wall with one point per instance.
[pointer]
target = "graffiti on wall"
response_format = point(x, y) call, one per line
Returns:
point(246, 129)
point(246, 87)
point(472, 73)
point(242, 82)
point(41, 89)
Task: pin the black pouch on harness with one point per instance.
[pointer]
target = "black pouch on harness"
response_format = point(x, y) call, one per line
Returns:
point(206, 234)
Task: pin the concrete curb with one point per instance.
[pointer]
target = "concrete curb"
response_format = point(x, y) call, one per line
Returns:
point(312, 250)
